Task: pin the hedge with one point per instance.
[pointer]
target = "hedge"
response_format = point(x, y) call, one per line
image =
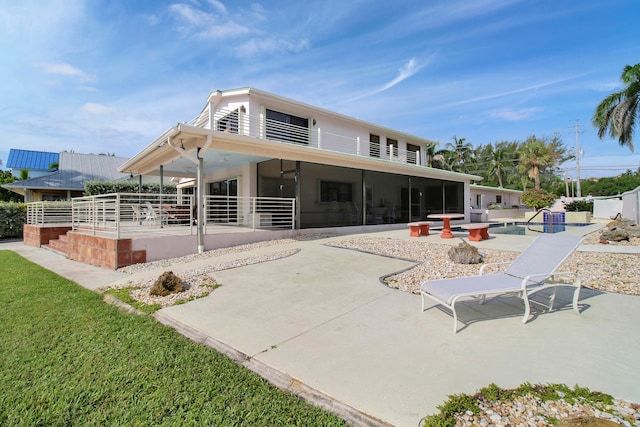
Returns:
point(12, 219)
point(95, 188)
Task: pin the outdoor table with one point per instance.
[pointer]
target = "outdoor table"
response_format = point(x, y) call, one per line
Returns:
point(446, 226)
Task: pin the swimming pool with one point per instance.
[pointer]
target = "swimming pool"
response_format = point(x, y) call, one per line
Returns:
point(523, 228)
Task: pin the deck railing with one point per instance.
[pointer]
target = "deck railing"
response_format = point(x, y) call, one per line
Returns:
point(41, 213)
point(258, 126)
point(116, 213)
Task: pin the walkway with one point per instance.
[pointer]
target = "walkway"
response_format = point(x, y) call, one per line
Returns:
point(320, 323)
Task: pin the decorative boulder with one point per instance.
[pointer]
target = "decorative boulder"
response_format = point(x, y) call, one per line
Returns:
point(464, 253)
point(167, 283)
point(614, 235)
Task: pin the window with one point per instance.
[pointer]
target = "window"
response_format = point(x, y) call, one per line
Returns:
point(331, 191)
point(374, 145)
point(288, 128)
point(393, 147)
point(498, 199)
point(412, 153)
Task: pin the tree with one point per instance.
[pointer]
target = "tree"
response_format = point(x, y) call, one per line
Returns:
point(5, 195)
point(435, 158)
point(499, 161)
point(540, 155)
point(460, 150)
point(617, 113)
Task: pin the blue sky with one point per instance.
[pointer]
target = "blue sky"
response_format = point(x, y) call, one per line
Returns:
point(110, 76)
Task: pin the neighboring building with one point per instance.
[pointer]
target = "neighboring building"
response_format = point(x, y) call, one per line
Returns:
point(484, 197)
point(68, 180)
point(341, 170)
point(35, 163)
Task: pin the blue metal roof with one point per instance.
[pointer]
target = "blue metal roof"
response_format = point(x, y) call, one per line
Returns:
point(31, 160)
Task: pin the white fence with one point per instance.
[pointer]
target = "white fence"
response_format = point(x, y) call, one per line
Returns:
point(631, 205)
point(121, 212)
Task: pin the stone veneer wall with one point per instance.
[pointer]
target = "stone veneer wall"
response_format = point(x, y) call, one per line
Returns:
point(94, 250)
point(37, 236)
point(103, 251)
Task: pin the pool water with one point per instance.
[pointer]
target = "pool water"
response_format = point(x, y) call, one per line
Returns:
point(534, 227)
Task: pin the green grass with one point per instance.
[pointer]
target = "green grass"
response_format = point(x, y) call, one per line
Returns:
point(67, 358)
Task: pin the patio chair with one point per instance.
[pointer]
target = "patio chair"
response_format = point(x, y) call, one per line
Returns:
point(137, 213)
point(533, 271)
point(150, 214)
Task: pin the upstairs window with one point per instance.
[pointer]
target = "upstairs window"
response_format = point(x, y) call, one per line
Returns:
point(393, 147)
point(374, 145)
point(412, 153)
point(286, 127)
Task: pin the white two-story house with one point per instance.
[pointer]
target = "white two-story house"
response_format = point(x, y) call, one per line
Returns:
point(340, 170)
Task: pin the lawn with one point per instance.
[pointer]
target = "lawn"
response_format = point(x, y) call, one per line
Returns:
point(67, 358)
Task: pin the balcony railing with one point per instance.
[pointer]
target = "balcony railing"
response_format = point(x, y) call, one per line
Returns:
point(113, 214)
point(258, 126)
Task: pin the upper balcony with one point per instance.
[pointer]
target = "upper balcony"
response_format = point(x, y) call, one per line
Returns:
point(299, 131)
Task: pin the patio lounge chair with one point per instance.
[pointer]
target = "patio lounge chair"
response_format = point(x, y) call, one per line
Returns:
point(533, 271)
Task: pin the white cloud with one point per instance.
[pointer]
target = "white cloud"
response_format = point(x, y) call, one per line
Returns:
point(407, 70)
point(97, 109)
point(218, 5)
point(205, 24)
point(515, 115)
point(510, 92)
point(63, 69)
point(229, 29)
point(270, 45)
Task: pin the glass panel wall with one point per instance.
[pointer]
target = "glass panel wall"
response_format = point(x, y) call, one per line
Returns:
point(331, 196)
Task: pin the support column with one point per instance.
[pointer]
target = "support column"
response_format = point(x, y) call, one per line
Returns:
point(200, 199)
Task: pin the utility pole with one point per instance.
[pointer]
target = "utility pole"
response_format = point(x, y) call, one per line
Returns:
point(578, 190)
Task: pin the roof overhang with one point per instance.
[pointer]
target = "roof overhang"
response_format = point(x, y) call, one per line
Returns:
point(178, 149)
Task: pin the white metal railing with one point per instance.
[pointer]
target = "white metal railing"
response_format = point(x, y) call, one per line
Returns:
point(40, 213)
point(253, 212)
point(116, 213)
point(257, 126)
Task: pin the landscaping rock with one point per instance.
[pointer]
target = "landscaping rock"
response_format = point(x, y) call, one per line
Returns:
point(464, 253)
point(614, 235)
point(167, 283)
point(619, 230)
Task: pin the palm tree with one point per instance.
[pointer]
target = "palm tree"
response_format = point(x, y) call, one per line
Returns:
point(460, 150)
point(498, 162)
point(536, 155)
point(617, 113)
point(434, 158)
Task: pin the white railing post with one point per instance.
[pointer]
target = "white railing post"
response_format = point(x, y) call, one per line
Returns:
point(293, 214)
point(253, 215)
point(118, 216)
point(358, 146)
point(319, 138)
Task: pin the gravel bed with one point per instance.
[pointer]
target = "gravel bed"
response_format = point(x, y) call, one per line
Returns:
point(197, 282)
point(611, 272)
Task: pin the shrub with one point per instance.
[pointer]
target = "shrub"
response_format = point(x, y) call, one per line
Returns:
point(12, 219)
point(537, 198)
point(579, 206)
point(95, 188)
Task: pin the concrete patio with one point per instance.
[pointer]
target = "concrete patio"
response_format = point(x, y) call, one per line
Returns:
point(321, 324)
